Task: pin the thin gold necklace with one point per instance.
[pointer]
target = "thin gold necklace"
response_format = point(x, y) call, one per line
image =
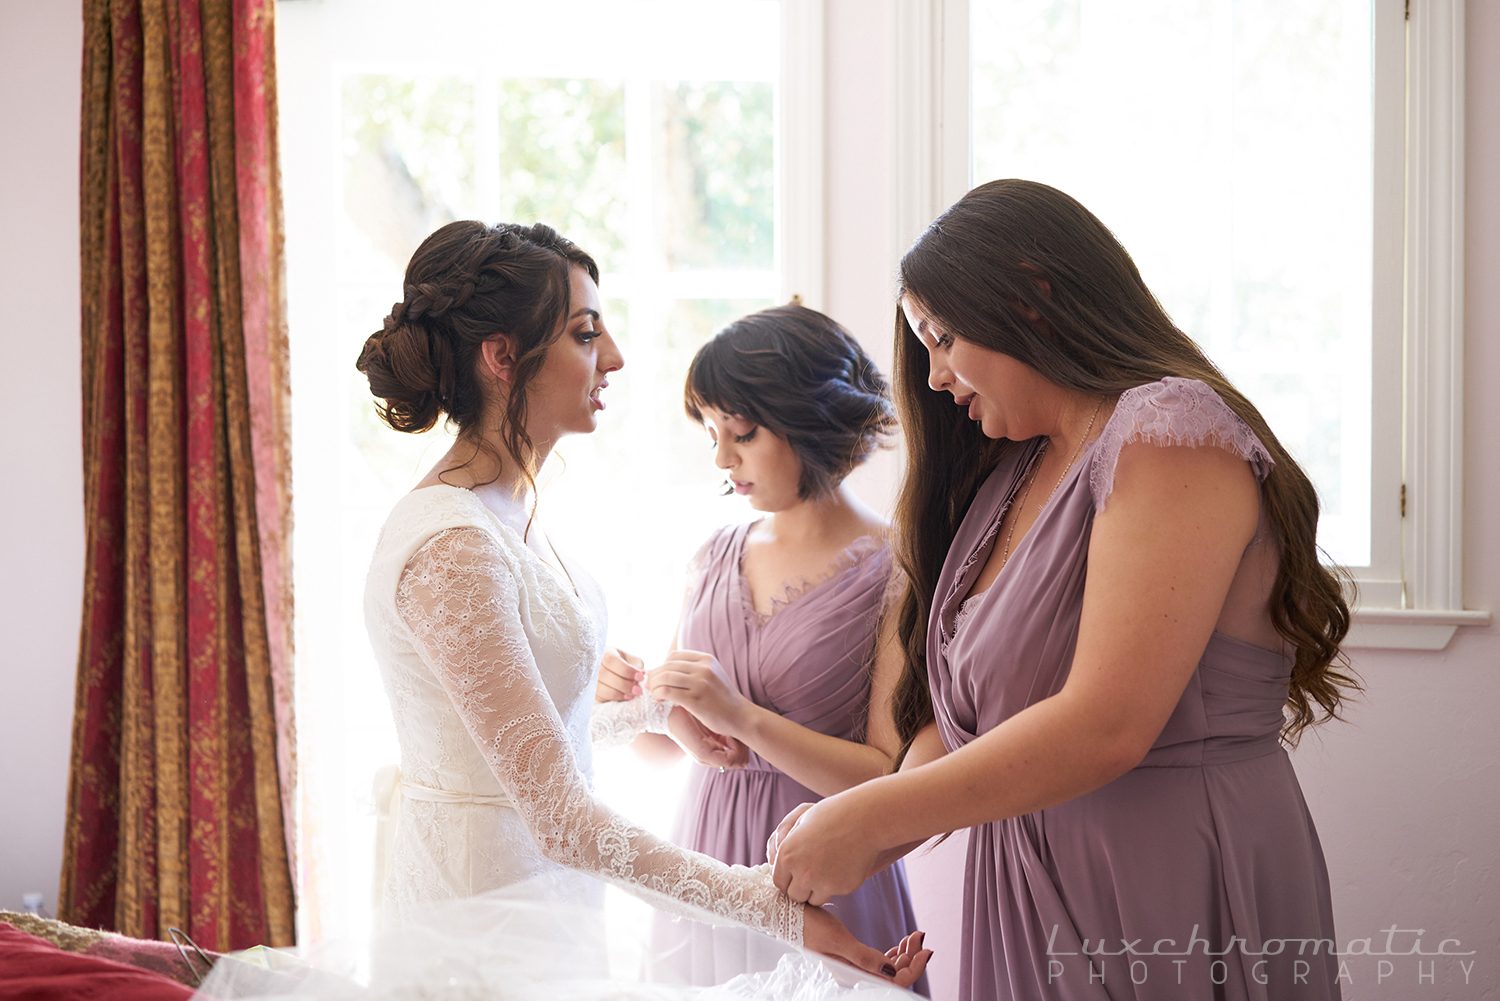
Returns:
point(1037, 468)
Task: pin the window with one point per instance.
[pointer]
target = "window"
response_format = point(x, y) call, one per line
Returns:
point(1291, 192)
point(666, 140)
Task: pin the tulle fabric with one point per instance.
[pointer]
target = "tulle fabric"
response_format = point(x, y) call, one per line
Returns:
point(515, 944)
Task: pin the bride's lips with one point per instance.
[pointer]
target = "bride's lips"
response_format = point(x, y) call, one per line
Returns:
point(740, 486)
point(968, 402)
point(594, 396)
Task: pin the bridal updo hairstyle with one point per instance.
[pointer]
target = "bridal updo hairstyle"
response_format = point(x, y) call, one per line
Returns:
point(801, 376)
point(1011, 250)
point(466, 283)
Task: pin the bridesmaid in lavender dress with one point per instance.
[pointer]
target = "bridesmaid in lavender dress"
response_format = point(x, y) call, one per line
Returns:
point(776, 650)
point(1117, 607)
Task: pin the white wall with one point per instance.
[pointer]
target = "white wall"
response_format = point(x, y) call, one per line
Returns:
point(41, 503)
point(1405, 794)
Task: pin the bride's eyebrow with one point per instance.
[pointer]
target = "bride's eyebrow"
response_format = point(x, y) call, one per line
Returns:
point(592, 314)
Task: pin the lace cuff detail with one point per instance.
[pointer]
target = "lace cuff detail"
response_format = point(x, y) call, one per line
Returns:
point(1173, 411)
point(616, 723)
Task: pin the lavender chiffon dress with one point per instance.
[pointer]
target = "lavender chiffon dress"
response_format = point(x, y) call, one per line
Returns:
point(1198, 874)
point(808, 661)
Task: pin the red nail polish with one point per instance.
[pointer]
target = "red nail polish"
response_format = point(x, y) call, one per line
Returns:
point(888, 970)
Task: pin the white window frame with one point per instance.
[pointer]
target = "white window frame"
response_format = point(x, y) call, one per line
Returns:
point(1417, 603)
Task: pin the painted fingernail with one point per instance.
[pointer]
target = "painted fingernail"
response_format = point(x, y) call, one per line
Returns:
point(888, 970)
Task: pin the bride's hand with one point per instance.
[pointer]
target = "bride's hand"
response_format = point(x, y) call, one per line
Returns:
point(620, 676)
point(902, 964)
point(909, 953)
point(692, 680)
point(703, 745)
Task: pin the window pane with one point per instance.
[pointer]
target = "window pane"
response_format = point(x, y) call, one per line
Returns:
point(408, 162)
point(1228, 146)
point(562, 161)
point(715, 205)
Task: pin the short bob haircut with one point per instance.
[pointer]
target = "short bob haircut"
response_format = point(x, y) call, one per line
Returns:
point(801, 376)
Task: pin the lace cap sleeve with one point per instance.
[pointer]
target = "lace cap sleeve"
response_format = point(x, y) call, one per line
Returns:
point(1173, 411)
point(461, 598)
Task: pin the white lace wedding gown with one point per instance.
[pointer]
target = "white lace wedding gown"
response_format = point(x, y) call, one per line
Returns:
point(489, 657)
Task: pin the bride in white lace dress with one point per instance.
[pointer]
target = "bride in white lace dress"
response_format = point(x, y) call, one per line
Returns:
point(487, 639)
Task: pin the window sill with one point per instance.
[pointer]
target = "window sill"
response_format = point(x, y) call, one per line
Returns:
point(1408, 628)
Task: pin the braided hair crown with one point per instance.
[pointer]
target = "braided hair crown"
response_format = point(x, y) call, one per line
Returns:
point(467, 282)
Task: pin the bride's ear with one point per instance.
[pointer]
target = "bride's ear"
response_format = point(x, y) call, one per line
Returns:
point(497, 357)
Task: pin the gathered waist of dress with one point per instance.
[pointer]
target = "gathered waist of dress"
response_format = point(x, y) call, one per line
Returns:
point(449, 797)
point(1219, 750)
point(755, 766)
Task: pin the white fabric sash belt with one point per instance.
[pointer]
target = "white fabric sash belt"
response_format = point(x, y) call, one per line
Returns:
point(427, 794)
point(389, 789)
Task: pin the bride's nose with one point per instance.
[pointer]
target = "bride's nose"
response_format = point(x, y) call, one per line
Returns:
point(610, 358)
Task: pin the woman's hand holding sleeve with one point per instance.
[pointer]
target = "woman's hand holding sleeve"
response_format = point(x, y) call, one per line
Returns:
point(693, 680)
point(621, 676)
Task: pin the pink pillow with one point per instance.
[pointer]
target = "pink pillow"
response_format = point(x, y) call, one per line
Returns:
point(34, 970)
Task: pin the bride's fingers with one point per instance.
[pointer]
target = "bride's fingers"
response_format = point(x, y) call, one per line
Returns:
point(826, 934)
point(908, 975)
point(903, 954)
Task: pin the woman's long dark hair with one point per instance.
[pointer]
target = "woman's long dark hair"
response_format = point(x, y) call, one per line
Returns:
point(1010, 249)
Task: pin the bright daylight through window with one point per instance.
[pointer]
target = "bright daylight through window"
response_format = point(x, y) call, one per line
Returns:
point(653, 145)
point(1247, 199)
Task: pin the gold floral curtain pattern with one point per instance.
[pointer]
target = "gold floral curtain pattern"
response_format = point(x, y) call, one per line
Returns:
point(179, 803)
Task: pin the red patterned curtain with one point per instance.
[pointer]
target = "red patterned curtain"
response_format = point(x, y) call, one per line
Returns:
point(179, 802)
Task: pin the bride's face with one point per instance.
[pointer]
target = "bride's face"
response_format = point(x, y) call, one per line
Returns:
point(564, 395)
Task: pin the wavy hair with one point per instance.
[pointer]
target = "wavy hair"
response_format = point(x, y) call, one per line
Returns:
point(801, 376)
point(1010, 249)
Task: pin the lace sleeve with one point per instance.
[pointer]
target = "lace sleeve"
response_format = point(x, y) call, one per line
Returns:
point(616, 723)
point(460, 598)
point(1173, 411)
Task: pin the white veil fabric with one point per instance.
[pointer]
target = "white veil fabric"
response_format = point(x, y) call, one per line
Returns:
point(515, 944)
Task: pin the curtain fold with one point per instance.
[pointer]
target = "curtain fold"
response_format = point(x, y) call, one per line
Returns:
point(179, 804)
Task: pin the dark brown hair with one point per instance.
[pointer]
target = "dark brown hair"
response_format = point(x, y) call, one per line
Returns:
point(1012, 248)
point(466, 283)
point(801, 376)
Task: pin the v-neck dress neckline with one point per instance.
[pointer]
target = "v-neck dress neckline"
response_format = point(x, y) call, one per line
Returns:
point(793, 592)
